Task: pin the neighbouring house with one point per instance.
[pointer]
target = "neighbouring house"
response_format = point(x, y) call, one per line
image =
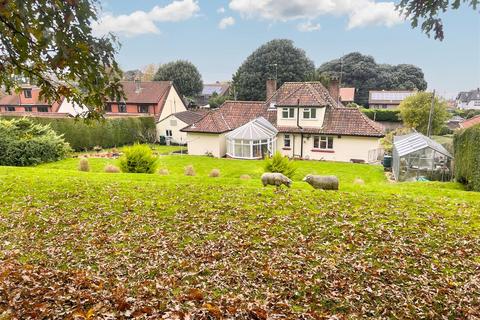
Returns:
point(300, 119)
point(416, 156)
point(170, 127)
point(27, 102)
point(469, 100)
point(347, 95)
point(218, 88)
point(470, 122)
point(454, 122)
point(388, 99)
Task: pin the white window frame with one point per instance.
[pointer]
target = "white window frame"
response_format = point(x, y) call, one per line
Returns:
point(29, 95)
point(327, 140)
point(167, 133)
point(285, 139)
point(290, 113)
point(307, 113)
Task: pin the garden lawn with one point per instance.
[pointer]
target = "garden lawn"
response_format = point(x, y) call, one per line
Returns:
point(97, 245)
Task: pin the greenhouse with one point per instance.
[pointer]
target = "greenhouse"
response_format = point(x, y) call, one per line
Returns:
point(254, 140)
point(417, 157)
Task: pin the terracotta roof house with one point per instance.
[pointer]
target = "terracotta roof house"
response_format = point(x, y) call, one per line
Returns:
point(170, 127)
point(309, 122)
point(387, 99)
point(27, 102)
point(470, 122)
point(347, 95)
point(469, 100)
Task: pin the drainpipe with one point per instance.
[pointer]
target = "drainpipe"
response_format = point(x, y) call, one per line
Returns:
point(298, 125)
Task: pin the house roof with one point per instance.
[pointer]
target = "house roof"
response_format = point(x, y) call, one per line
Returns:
point(18, 99)
point(190, 117)
point(342, 121)
point(468, 96)
point(231, 115)
point(395, 96)
point(151, 92)
point(257, 129)
point(415, 141)
point(218, 88)
point(312, 94)
point(347, 94)
point(470, 122)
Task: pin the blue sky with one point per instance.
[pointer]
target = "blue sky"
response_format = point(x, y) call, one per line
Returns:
point(159, 31)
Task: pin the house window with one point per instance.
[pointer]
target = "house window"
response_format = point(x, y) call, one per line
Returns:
point(286, 141)
point(108, 108)
point(322, 142)
point(42, 109)
point(288, 113)
point(309, 113)
point(142, 109)
point(476, 103)
point(122, 107)
point(28, 109)
point(27, 93)
point(168, 133)
point(10, 108)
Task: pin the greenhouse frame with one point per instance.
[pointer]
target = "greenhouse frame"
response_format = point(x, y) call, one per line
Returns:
point(417, 157)
point(254, 140)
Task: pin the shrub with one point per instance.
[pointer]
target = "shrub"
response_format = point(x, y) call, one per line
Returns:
point(190, 170)
point(245, 177)
point(467, 157)
point(138, 159)
point(215, 173)
point(281, 164)
point(110, 168)
point(163, 172)
point(383, 114)
point(25, 143)
point(84, 165)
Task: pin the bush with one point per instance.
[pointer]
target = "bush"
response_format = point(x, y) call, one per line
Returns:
point(84, 165)
point(104, 134)
point(190, 170)
point(25, 143)
point(138, 159)
point(215, 173)
point(392, 115)
point(467, 157)
point(281, 164)
point(163, 172)
point(110, 168)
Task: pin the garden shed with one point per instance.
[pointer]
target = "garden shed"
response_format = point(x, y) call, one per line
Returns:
point(254, 140)
point(416, 156)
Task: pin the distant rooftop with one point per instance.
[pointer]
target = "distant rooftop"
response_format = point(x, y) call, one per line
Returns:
point(219, 88)
point(389, 96)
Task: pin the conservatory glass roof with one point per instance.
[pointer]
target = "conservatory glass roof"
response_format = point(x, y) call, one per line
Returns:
point(416, 141)
point(258, 129)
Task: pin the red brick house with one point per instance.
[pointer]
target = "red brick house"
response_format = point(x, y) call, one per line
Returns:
point(27, 101)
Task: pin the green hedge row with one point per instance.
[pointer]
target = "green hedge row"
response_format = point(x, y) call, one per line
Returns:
point(467, 157)
point(383, 114)
point(107, 133)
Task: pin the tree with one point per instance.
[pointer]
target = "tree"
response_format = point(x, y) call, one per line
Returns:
point(363, 73)
point(50, 43)
point(149, 71)
point(427, 12)
point(278, 59)
point(415, 112)
point(131, 75)
point(216, 100)
point(185, 77)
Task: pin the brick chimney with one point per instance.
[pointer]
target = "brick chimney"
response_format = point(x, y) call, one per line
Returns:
point(138, 85)
point(334, 88)
point(271, 87)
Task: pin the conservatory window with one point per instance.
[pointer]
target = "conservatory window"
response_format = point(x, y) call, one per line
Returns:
point(309, 113)
point(288, 113)
point(322, 142)
point(286, 141)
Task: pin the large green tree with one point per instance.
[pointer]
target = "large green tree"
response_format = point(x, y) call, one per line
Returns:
point(415, 112)
point(185, 77)
point(49, 43)
point(427, 13)
point(363, 73)
point(278, 59)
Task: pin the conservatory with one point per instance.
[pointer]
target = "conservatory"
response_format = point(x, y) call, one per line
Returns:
point(416, 157)
point(254, 140)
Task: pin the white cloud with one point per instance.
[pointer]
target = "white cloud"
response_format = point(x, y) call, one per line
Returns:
point(308, 26)
point(226, 22)
point(141, 22)
point(221, 10)
point(359, 12)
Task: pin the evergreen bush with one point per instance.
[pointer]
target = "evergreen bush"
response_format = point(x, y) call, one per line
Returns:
point(392, 115)
point(280, 164)
point(467, 157)
point(138, 159)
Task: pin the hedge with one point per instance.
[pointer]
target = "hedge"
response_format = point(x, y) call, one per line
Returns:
point(383, 114)
point(467, 157)
point(107, 133)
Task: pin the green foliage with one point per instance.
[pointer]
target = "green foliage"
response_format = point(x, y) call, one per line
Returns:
point(387, 141)
point(292, 64)
point(138, 159)
point(415, 111)
point(392, 115)
point(216, 101)
point(49, 43)
point(185, 77)
point(467, 157)
point(106, 133)
point(25, 143)
point(364, 74)
point(428, 13)
point(281, 164)
point(467, 114)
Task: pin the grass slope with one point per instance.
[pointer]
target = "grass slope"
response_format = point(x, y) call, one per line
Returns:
point(125, 245)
